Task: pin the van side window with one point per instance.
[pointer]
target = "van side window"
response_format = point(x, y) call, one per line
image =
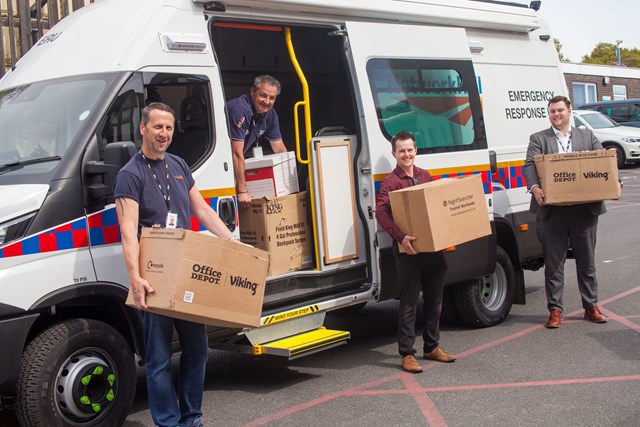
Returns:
point(187, 95)
point(437, 101)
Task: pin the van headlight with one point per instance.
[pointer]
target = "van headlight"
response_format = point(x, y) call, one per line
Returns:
point(631, 139)
point(15, 229)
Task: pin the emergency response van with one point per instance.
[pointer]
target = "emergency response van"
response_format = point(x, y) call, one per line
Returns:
point(470, 79)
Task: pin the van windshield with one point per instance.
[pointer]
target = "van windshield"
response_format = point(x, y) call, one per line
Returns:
point(40, 120)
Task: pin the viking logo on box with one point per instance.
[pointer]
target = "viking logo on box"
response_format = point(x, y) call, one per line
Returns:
point(205, 273)
point(596, 175)
point(243, 282)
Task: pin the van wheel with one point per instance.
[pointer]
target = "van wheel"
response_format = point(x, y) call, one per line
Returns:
point(487, 301)
point(78, 372)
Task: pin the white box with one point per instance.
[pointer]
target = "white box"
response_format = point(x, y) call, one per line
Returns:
point(273, 175)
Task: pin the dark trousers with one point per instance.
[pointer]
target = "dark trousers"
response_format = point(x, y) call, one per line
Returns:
point(422, 272)
point(577, 226)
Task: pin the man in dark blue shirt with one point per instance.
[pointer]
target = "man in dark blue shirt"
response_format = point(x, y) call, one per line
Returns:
point(251, 117)
point(156, 187)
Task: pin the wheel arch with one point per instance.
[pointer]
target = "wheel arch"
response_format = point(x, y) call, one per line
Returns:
point(507, 240)
point(101, 301)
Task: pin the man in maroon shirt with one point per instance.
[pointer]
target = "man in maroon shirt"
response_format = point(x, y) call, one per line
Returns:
point(416, 271)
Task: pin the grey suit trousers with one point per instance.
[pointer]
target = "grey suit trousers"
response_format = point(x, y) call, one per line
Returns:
point(577, 226)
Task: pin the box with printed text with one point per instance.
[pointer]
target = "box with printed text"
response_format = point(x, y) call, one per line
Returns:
point(201, 278)
point(441, 213)
point(279, 226)
point(578, 177)
point(272, 175)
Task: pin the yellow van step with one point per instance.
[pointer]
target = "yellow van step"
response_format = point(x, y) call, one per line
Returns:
point(303, 344)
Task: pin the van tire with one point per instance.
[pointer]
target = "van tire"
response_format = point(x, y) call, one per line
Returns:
point(487, 301)
point(79, 372)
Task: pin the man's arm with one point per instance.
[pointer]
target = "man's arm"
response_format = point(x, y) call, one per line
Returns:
point(385, 219)
point(278, 146)
point(127, 210)
point(206, 215)
point(244, 198)
point(530, 172)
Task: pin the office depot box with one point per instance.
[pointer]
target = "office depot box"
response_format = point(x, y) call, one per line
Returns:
point(442, 213)
point(278, 225)
point(201, 278)
point(579, 177)
point(273, 175)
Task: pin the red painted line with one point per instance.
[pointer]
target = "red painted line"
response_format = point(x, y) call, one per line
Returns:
point(523, 384)
point(612, 316)
point(426, 405)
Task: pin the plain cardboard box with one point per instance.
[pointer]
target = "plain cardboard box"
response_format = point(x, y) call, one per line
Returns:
point(201, 278)
point(273, 175)
point(279, 226)
point(441, 213)
point(579, 177)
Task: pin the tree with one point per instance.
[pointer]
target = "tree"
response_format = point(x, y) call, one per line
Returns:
point(605, 53)
point(561, 56)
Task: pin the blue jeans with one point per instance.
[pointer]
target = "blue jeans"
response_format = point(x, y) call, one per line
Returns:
point(158, 334)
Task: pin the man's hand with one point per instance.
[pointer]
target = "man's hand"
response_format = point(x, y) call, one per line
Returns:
point(140, 288)
point(408, 247)
point(244, 199)
point(538, 194)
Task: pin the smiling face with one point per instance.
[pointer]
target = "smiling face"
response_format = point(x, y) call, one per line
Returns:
point(560, 115)
point(157, 134)
point(264, 97)
point(405, 154)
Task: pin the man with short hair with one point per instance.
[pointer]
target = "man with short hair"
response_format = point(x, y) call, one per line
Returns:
point(561, 226)
point(252, 117)
point(156, 187)
point(416, 271)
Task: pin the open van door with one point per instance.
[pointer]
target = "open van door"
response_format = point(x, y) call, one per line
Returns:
point(420, 79)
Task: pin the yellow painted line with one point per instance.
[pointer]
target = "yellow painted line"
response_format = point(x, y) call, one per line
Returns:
point(218, 192)
point(291, 314)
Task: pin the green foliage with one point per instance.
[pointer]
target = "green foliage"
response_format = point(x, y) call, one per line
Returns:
point(561, 56)
point(605, 53)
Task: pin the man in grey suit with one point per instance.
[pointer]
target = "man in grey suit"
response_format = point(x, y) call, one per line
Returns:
point(561, 226)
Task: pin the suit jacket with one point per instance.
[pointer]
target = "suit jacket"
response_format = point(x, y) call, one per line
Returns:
point(545, 142)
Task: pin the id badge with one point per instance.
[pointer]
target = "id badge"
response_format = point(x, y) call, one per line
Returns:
point(172, 220)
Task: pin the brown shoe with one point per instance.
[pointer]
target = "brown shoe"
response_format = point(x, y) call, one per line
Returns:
point(410, 364)
point(593, 315)
point(555, 319)
point(439, 355)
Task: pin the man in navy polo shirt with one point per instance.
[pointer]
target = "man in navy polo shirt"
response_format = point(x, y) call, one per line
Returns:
point(251, 117)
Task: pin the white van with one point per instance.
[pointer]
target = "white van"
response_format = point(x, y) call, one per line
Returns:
point(471, 79)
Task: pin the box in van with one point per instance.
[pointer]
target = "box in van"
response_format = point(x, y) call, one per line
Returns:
point(272, 175)
point(441, 213)
point(279, 226)
point(202, 278)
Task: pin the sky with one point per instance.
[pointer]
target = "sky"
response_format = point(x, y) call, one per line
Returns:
point(581, 24)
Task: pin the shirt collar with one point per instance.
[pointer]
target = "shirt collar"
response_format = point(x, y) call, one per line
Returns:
point(560, 134)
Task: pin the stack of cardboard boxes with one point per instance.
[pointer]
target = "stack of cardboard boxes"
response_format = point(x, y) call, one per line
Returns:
point(276, 220)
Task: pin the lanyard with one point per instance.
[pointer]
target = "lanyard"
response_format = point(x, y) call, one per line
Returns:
point(165, 193)
point(564, 149)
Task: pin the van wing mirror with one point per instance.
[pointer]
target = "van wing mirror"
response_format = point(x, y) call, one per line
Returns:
point(116, 155)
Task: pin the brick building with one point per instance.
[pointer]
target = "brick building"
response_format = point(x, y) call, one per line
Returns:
point(592, 82)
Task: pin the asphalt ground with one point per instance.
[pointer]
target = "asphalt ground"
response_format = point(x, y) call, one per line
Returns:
point(515, 374)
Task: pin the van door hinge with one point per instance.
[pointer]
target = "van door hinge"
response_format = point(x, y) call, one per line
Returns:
point(371, 211)
point(340, 33)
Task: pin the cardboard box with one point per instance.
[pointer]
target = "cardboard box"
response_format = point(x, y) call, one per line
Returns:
point(442, 213)
point(579, 177)
point(201, 278)
point(279, 226)
point(273, 175)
